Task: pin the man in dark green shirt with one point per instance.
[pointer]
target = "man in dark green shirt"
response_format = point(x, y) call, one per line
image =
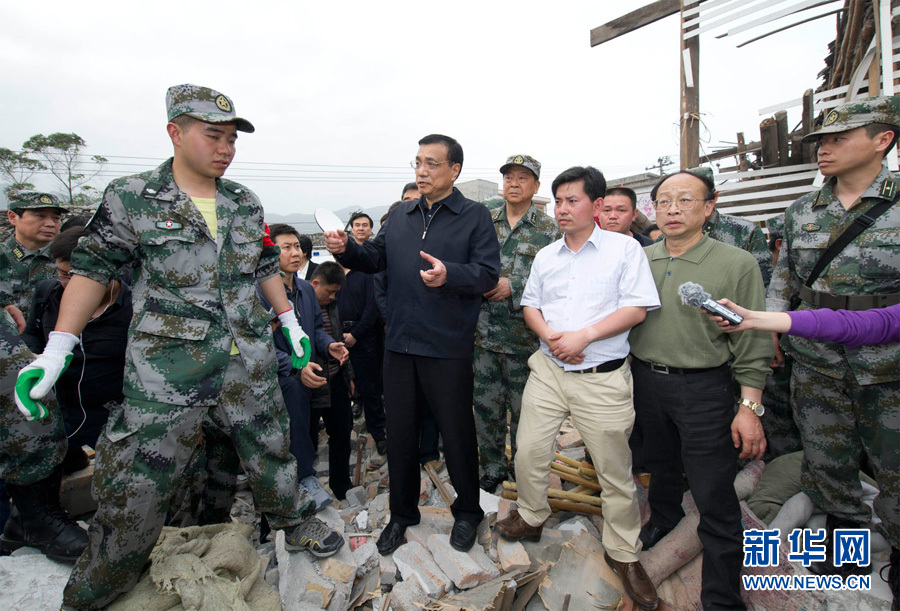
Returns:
point(683, 389)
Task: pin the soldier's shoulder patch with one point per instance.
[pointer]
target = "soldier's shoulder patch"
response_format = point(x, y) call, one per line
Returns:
point(831, 118)
point(169, 224)
point(811, 227)
point(888, 188)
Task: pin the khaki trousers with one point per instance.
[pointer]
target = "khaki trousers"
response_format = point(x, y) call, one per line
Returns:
point(603, 412)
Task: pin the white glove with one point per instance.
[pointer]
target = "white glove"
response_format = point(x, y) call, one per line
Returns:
point(36, 380)
point(298, 340)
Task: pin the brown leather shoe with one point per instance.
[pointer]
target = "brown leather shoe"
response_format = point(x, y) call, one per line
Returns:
point(514, 528)
point(636, 582)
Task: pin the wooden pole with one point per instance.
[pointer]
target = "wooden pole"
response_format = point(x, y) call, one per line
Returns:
point(560, 505)
point(808, 149)
point(743, 164)
point(690, 97)
point(567, 495)
point(781, 131)
point(572, 475)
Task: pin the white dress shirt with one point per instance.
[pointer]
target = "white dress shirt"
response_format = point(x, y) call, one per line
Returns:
point(574, 290)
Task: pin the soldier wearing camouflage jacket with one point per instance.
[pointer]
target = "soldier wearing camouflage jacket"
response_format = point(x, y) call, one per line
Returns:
point(23, 257)
point(847, 400)
point(503, 342)
point(741, 234)
point(199, 345)
point(29, 451)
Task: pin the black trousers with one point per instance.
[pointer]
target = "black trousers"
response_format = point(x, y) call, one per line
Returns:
point(686, 421)
point(297, 398)
point(447, 387)
point(367, 369)
point(338, 423)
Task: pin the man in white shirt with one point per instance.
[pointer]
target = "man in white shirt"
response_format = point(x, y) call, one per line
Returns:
point(585, 292)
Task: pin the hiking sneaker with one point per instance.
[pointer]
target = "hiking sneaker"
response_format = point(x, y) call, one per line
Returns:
point(313, 535)
point(314, 488)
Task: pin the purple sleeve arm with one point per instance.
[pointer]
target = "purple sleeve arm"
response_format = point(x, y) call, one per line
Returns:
point(866, 327)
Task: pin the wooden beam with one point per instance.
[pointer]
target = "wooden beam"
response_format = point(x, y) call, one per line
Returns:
point(690, 101)
point(634, 20)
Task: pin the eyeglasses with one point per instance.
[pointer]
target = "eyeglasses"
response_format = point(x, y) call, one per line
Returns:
point(64, 275)
point(684, 204)
point(431, 165)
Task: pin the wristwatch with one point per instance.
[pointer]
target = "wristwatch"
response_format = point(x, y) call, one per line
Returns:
point(757, 408)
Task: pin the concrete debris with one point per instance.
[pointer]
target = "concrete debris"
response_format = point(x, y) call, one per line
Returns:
point(30, 580)
point(465, 569)
point(579, 572)
point(513, 556)
point(416, 563)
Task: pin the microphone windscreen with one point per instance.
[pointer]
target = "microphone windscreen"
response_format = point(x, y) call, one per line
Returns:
point(692, 294)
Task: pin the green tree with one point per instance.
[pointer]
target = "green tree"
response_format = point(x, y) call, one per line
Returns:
point(17, 168)
point(62, 154)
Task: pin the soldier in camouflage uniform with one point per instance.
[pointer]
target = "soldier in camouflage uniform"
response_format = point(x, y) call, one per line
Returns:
point(782, 434)
point(199, 346)
point(23, 257)
point(502, 341)
point(847, 400)
point(735, 231)
point(31, 453)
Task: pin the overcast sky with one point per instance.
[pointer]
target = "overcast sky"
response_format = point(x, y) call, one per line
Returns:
point(340, 92)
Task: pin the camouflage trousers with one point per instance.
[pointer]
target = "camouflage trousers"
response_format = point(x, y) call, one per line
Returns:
point(499, 382)
point(782, 435)
point(839, 420)
point(141, 456)
point(29, 451)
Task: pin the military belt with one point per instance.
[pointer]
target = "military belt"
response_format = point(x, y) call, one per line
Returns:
point(820, 299)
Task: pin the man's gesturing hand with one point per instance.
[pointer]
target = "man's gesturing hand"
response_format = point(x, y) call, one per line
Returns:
point(335, 241)
point(437, 275)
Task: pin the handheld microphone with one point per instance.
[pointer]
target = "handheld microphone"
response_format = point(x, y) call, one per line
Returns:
point(693, 295)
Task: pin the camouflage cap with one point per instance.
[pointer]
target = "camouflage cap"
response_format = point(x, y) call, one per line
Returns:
point(859, 113)
point(204, 104)
point(33, 200)
point(704, 173)
point(526, 161)
point(775, 225)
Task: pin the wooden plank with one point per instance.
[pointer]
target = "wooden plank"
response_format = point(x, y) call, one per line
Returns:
point(743, 197)
point(634, 20)
point(731, 17)
point(690, 12)
point(770, 171)
point(788, 27)
point(807, 4)
point(768, 136)
point(763, 182)
point(769, 207)
point(707, 14)
point(818, 97)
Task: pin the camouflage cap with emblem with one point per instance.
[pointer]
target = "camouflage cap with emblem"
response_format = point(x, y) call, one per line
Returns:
point(34, 200)
point(859, 113)
point(204, 104)
point(526, 161)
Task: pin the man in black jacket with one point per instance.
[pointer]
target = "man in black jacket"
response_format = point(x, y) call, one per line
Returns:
point(441, 254)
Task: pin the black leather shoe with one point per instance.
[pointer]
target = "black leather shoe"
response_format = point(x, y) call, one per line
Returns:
point(463, 535)
point(381, 447)
point(652, 534)
point(391, 538)
point(489, 483)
